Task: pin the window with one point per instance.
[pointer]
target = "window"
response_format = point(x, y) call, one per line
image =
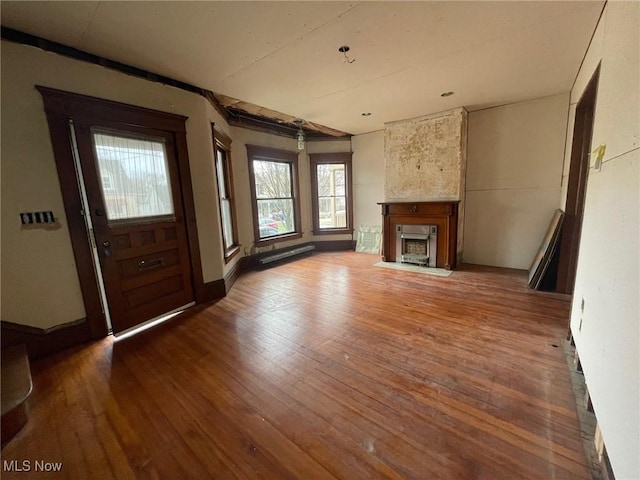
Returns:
point(274, 192)
point(134, 176)
point(331, 193)
point(222, 149)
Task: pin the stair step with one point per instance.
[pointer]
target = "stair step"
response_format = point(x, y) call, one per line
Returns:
point(16, 387)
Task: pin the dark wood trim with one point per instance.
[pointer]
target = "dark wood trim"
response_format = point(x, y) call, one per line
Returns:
point(231, 253)
point(222, 142)
point(40, 342)
point(251, 262)
point(334, 245)
point(210, 96)
point(65, 166)
point(214, 290)
point(341, 158)
point(276, 155)
point(240, 118)
point(190, 214)
point(442, 214)
point(220, 136)
point(336, 231)
point(279, 239)
point(577, 187)
point(75, 105)
point(60, 107)
point(231, 276)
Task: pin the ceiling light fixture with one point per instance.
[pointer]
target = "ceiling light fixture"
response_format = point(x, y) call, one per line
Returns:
point(344, 49)
point(446, 94)
point(300, 135)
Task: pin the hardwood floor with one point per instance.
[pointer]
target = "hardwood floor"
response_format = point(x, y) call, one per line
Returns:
point(322, 368)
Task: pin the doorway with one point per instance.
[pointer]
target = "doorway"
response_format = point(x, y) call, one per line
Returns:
point(576, 187)
point(124, 173)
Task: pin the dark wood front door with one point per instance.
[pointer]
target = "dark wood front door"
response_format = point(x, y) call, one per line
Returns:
point(134, 199)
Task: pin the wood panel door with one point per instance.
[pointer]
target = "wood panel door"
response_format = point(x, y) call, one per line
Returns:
point(134, 198)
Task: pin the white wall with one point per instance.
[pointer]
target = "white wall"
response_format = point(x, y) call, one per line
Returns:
point(607, 332)
point(40, 285)
point(368, 178)
point(514, 169)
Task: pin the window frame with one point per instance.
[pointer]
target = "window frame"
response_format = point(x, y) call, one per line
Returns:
point(342, 158)
point(256, 152)
point(222, 143)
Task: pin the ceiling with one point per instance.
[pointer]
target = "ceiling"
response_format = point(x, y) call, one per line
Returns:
point(284, 56)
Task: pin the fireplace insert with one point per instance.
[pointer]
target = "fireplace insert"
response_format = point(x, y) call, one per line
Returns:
point(417, 244)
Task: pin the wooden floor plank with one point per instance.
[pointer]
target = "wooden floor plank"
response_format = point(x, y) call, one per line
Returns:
point(326, 367)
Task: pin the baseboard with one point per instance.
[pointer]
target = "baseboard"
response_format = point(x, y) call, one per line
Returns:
point(214, 290)
point(231, 276)
point(45, 341)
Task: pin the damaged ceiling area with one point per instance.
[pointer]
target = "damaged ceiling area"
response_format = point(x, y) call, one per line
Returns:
point(245, 114)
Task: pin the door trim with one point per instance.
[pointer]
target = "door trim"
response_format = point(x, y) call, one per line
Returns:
point(577, 187)
point(60, 107)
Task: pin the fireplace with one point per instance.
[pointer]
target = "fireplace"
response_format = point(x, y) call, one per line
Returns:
point(417, 244)
point(430, 231)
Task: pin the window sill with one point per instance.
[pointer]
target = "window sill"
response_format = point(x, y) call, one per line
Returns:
point(279, 238)
point(334, 231)
point(232, 252)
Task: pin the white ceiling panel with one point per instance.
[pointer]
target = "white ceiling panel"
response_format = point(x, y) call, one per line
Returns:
point(69, 20)
point(284, 55)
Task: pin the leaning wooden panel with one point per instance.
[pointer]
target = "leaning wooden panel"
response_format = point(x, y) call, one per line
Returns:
point(547, 249)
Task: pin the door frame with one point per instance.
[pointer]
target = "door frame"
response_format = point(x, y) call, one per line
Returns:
point(577, 186)
point(60, 108)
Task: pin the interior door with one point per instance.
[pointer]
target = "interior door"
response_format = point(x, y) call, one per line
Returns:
point(135, 202)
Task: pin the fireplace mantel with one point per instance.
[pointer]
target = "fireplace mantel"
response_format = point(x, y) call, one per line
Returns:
point(442, 214)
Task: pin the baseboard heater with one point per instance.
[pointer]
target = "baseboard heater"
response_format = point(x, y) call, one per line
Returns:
point(286, 254)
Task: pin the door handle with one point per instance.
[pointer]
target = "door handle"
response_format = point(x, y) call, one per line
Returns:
point(107, 248)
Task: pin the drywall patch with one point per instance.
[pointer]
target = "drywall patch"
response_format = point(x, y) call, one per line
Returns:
point(425, 157)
